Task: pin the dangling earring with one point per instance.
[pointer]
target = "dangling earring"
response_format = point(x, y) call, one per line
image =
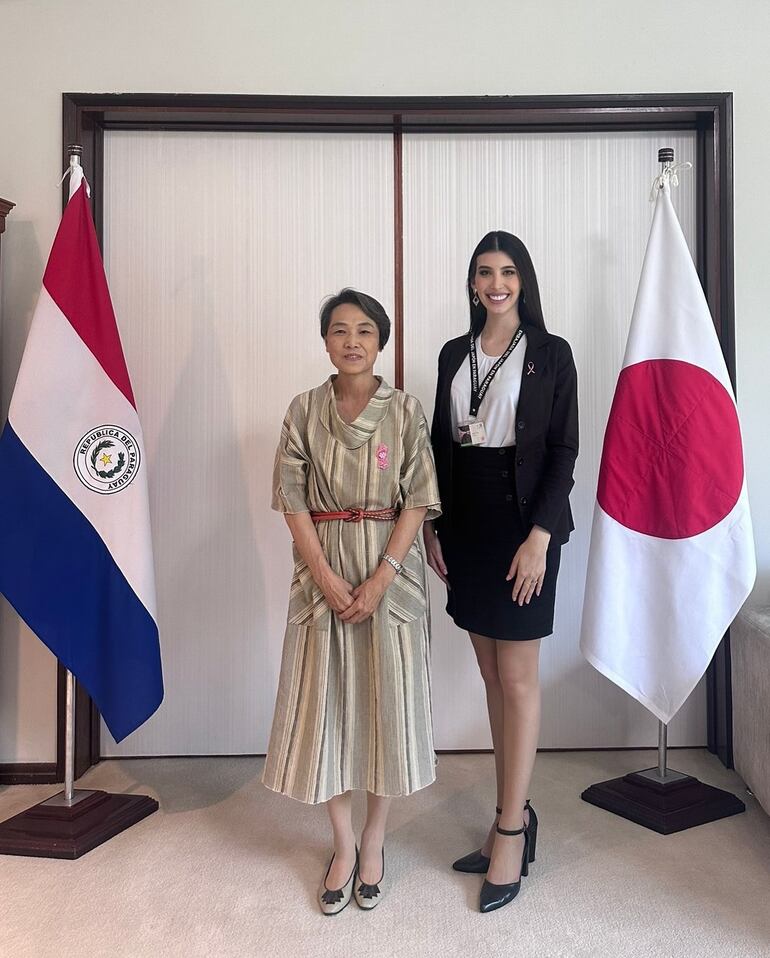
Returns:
point(475, 299)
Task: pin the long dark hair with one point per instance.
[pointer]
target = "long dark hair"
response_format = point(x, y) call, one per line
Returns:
point(530, 310)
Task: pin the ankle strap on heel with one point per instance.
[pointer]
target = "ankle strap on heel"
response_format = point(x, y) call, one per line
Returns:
point(527, 807)
point(516, 831)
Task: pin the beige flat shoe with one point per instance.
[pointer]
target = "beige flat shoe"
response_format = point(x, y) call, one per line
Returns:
point(369, 896)
point(333, 900)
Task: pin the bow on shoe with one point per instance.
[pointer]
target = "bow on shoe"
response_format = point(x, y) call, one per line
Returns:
point(332, 897)
point(368, 891)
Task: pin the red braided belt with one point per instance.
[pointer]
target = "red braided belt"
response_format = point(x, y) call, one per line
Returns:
point(356, 515)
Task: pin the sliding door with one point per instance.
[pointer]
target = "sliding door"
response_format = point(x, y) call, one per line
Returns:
point(581, 203)
point(219, 249)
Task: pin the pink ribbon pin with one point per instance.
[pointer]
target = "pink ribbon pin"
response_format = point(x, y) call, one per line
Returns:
point(530, 368)
point(382, 456)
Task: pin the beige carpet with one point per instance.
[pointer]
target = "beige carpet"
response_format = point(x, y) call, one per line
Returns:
point(226, 868)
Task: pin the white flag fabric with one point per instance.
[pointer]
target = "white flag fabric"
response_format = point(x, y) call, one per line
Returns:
point(672, 553)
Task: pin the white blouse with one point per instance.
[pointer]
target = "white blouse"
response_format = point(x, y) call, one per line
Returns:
point(498, 407)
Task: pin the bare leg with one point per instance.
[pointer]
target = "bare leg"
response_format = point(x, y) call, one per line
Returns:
point(339, 809)
point(517, 664)
point(486, 656)
point(372, 838)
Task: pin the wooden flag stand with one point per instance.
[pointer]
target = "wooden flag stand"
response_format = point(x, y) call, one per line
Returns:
point(73, 822)
point(662, 799)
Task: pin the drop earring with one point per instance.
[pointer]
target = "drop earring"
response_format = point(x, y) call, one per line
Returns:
point(475, 299)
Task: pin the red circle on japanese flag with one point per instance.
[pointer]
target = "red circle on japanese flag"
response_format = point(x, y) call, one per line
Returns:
point(672, 463)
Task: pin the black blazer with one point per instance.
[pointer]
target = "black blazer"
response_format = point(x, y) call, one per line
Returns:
point(546, 431)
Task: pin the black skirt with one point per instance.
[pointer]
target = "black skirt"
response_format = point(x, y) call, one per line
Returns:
point(479, 544)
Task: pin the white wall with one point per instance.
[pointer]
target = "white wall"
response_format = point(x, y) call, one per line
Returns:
point(436, 47)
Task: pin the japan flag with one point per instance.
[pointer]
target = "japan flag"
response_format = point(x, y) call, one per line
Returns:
point(672, 554)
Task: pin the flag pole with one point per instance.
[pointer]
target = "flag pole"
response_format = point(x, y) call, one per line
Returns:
point(69, 797)
point(662, 775)
point(69, 742)
point(75, 152)
point(666, 160)
point(662, 744)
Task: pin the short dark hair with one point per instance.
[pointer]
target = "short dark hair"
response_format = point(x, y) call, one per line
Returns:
point(368, 306)
point(530, 310)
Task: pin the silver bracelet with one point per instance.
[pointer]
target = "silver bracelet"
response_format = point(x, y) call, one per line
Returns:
point(394, 562)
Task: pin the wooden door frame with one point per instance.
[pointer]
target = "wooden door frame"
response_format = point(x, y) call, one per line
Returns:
point(709, 115)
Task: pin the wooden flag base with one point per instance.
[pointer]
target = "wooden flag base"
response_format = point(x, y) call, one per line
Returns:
point(62, 831)
point(663, 806)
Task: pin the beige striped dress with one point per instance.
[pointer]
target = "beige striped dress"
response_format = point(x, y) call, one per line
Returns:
point(353, 709)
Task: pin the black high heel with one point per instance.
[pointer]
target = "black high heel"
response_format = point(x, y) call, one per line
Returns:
point(475, 863)
point(495, 896)
point(531, 827)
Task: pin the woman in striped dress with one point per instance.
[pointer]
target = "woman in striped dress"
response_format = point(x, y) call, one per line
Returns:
point(354, 477)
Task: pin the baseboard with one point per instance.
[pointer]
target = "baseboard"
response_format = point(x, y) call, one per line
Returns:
point(439, 751)
point(28, 773)
point(597, 748)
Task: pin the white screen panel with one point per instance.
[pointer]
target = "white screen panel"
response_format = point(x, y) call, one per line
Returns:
point(581, 204)
point(219, 249)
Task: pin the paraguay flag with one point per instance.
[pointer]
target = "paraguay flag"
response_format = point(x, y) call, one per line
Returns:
point(75, 547)
point(672, 554)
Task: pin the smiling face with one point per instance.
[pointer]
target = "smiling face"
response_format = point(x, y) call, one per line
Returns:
point(497, 283)
point(352, 340)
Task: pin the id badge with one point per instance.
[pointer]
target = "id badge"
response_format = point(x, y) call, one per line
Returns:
point(471, 432)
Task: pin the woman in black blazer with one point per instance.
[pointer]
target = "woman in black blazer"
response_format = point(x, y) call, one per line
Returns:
point(505, 445)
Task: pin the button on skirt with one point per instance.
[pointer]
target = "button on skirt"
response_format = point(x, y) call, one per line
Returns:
point(479, 541)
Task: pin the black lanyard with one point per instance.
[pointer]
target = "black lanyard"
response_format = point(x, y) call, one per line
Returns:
point(479, 391)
